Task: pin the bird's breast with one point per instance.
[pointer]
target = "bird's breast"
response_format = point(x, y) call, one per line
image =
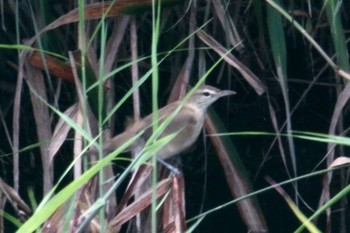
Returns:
point(186, 136)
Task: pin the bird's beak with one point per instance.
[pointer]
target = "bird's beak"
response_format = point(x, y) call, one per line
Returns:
point(227, 92)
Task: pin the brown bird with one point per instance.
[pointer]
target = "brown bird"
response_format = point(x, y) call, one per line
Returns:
point(188, 123)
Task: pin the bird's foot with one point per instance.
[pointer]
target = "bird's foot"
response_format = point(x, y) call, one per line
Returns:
point(169, 166)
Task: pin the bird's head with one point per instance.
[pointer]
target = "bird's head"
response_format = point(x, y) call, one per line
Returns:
point(206, 95)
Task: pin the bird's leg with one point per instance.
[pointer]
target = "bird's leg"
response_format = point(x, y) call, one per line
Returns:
point(169, 166)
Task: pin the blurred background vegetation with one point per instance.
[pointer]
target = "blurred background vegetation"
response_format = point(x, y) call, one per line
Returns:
point(288, 61)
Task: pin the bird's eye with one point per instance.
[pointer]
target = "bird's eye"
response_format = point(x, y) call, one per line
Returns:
point(206, 93)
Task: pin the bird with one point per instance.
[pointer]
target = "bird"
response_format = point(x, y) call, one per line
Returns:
point(187, 123)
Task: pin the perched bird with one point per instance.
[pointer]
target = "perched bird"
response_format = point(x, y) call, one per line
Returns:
point(188, 123)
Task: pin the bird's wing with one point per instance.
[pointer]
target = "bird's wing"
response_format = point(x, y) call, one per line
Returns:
point(185, 117)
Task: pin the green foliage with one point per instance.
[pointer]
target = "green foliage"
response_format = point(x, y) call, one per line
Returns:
point(297, 50)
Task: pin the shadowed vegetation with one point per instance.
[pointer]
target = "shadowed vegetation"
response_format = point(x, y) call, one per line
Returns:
point(76, 73)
